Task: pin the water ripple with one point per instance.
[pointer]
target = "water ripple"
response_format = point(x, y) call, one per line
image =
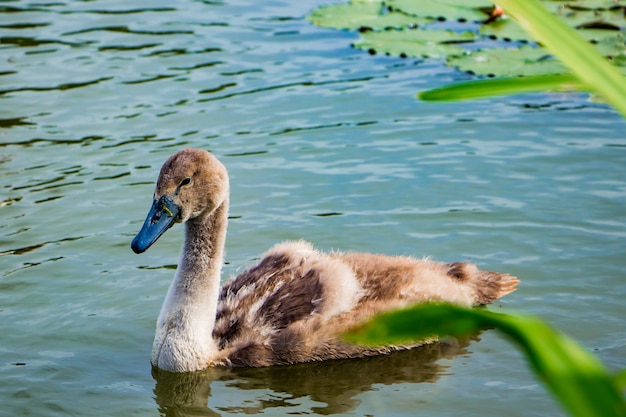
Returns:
point(16, 121)
point(284, 86)
point(60, 87)
point(19, 26)
point(26, 42)
point(150, 79)
point(142, 10)
point(125, 29)
point(197, 66)
point(31, 248)
point(30, 142)
point(128, 47)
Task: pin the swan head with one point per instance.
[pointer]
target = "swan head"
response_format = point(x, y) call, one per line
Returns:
point(192, 184)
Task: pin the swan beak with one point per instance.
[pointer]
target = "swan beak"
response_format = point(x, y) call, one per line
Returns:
point(161, 217)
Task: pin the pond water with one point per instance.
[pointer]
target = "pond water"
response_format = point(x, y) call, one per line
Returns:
point(322, 142)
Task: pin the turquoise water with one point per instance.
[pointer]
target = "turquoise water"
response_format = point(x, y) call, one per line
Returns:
point(322, 142)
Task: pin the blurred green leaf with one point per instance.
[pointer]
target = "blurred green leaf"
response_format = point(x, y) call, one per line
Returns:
point(503, 86)
point(573, 374)
point(620, 379)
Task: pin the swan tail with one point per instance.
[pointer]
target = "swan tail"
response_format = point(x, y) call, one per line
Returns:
point(488, 286)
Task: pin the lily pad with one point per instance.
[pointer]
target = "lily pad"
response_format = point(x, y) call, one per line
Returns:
point(602, 22)
point(443, 9)
point(620, 61)
point(596, 4)
point(593, 24)
point(503, 62)
point(414, 43)
point(613, 46)
point(610, 19)
point(362, 15)
point(506, 29)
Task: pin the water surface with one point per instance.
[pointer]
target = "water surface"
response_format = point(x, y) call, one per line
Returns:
point(322, 142)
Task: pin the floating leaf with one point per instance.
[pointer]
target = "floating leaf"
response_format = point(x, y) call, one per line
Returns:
point(612, 20)
point(593, 24)
point(596, 36)
point(362, 15)
point(501, 62)
point(446, 9)
point(505, 29)
point(620, 61)
point(475, 4)
point(610, 45)
point(414, 43)
point(601, 22)
point(595, 4)
point(583, 60)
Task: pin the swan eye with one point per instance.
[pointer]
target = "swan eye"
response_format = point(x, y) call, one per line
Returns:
point(184, 182)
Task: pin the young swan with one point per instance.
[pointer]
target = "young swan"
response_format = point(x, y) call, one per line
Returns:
point(293, 304)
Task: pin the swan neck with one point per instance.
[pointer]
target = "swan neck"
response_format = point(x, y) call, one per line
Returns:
point(183, 340)
point(203, 251)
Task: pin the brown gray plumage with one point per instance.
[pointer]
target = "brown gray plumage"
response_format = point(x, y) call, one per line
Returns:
point(292, 305)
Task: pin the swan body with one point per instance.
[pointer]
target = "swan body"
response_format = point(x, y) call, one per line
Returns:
point(292, 305)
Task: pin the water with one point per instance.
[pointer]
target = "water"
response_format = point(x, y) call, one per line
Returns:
point(322, 142)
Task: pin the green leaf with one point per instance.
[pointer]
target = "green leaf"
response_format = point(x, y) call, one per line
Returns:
point(414, 43)
point(501, 62)
point(576, 377)
point(361, 15)
point(503, 86)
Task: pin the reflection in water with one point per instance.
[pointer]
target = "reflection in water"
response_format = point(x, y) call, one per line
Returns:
point(334, 383)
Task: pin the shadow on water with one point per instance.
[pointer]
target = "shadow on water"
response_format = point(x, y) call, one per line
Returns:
point(333, 383)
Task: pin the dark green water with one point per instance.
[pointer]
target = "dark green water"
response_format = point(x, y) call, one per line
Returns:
point(322, 142)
